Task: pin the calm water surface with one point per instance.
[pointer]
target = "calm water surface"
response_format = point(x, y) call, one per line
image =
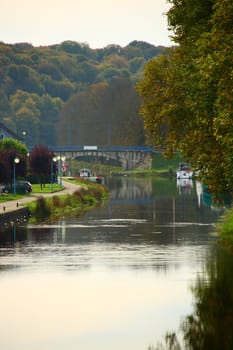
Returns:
point(116, 278)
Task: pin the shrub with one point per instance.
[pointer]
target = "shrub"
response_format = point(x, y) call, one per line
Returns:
point(56, 201)
point(42, 209)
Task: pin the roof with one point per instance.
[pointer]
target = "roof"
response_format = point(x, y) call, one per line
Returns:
point(9, 132)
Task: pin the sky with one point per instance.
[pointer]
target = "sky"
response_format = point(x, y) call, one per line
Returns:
point(96, 22)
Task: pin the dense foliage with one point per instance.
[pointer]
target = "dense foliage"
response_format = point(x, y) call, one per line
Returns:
point(42, 164)
point(105, 114)
point(9, 150)
point(187, 95)
point(36, 83)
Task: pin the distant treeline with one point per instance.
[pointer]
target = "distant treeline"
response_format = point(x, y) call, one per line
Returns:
point(71, 94)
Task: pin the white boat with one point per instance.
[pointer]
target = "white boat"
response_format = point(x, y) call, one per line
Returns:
point(85, 172)
point(184, 171)
point(87, 175)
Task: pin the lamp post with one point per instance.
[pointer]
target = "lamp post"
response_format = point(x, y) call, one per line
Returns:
point(16, 161)
point(61, 160)
point(53, 160)
point(24, 136)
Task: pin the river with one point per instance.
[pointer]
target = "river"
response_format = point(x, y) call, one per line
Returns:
point(118, 277)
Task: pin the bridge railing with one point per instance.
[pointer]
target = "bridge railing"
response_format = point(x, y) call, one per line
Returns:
point(101, 148)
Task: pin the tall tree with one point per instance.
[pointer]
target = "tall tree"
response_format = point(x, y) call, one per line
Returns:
point(186, 100)
point(9, 150)
point(49, 115)
point(105, 114)
point(41, 163)
point(27, 115)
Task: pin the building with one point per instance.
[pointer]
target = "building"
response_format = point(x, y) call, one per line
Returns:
point(6, 132)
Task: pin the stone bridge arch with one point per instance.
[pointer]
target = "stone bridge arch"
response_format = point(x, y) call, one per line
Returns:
point(127, 157)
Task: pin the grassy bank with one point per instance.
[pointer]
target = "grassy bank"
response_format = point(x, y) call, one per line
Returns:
point(47, 209)
point(46, 188)
point(10, 197)
point(225, 229)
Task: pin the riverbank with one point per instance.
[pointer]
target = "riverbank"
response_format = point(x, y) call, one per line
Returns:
point(225, 229)
point(72, 199)
point(82, 198)
point(144, 173)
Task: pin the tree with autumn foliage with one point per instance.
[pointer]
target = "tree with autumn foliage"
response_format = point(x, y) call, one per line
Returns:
point(105, 114)
point(187, 102)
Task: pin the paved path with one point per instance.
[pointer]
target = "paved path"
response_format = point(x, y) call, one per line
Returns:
point(13, 205)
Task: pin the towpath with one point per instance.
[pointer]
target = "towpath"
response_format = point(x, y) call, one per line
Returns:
point(13, 205)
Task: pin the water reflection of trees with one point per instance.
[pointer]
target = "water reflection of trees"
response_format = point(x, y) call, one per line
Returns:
point(210, 326)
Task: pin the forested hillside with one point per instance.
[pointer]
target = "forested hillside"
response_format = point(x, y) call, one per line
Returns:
point(72, 94)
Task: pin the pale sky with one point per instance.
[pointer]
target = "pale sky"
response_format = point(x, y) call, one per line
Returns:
point(95, 22)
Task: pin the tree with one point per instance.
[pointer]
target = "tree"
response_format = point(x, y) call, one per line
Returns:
point(41, 163)
point(25, 78)
point(105, 114)
point(135, 64)
point(216, 80)
point(5, 105)
point(27, 115)
point(49, 115)
point(9, 150)
point(186, 101)
point(88, 72)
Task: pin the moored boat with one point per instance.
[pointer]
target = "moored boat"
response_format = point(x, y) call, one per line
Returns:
point(184, 171)
point(87, 175)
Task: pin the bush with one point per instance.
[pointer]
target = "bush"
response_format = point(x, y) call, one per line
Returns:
point(42, 209)
point(56, 201)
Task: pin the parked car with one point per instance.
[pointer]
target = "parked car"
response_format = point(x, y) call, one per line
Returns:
point(20, 186)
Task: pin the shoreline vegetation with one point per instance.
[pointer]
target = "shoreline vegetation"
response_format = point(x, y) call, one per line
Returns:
point(59, 205)
point(224, 229)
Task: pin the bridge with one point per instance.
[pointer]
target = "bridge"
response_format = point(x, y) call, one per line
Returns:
point(128, 157)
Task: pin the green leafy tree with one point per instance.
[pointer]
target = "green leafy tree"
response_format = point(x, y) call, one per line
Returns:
point(186, 100)
point(25, 78)
point(88, 72)
point(49, 115)
point(135, 64)
point(216, 80)
point(27, 115)
point(62, 89)
point(5, 110)
point(51, 69)
point(9, 150)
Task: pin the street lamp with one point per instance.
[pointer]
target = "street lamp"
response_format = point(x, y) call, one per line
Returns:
point(24, 136)
point(61, 160)
point(53, 160)
point(16, 161)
